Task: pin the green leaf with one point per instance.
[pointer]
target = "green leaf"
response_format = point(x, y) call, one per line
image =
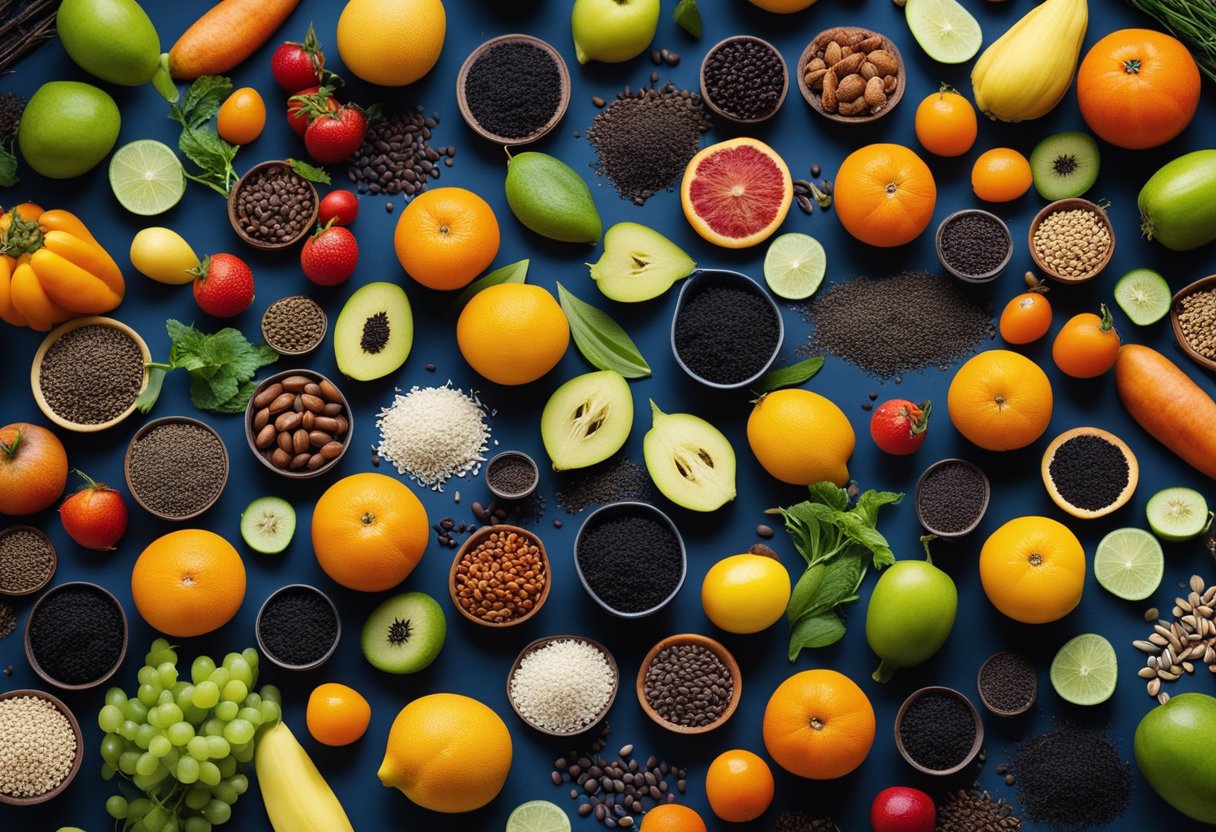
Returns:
point(829, 494)
point(8, 167)
point(202, 100)
point(688, 16)
point(805, 590)
point(790, 376)
point(815, 631)
point(841, 577)
point(514, 273)
point(600, 339)
point(213, 155)
point(307, 171)
point(871, 501)
point(221, 366)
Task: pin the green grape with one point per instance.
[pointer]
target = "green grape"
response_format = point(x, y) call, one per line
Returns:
point(238, 732)
point(213, 727)
point(127, 761)
point(243, 753)
point(227, 767)
point(138, 826)
point(239, 783)
point(116, 807)
point(135, 710)
point(226, 711)
point(159, 746)
point(159, 643)
point(169, 714)
point(270, 693)
point(148, 694)
point(138, 808)
point(143, 737)
point(209, 774)
point(235, 691)
point(180, 733)
point(197, 825)
point(224, 792)
point(187, 770)
point(127, 729)
point(165, 697)
point(155, 818)
point(217, 812)
point(147, 675)
point(112, 747)
point(154, 718)
point(201, 669)
point(240, 670)
point(197, 797)
point(109, 719)
point(271, 712)
point(147, 764)
point(218, 748)
point(221, 676)
point(149, 783)
point(108, 771)
point(183, 694)
point(253, 700)
point(198, 749)
point(167, 674)
point(195, 715)
point(164, 657)
point(229, 658)
point(206, 694)
point(179, 686)
point(115, 697)
point(251, 715)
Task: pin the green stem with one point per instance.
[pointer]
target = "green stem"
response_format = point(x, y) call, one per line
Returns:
point(884, 673)
point(925, 540)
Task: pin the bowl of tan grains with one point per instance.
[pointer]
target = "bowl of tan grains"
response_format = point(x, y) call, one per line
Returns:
point(563, 685)
point(1071, 240)
point(176, 467)
point(294, 325)
point(689, 684)
point(298, 424)
point(41, 747)
point(27, 560)
point(851, 75)
point(1193, 317)
point(500, 576)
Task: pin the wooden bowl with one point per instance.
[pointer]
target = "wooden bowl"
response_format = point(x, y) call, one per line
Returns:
point(1068, 205)
point(77, 759)
point(563, 99)
point(472, 542)
point(785, 80)
point(54, 560)
point(825, 37)
point(630, 507)
point(257, 629)
point(1206, 283)
point(264, 244)
point(541, 642)
point(983, 508)
point(139, 434)
point(1034, 688)
point(29, 650)
point(251, 437)
point(975, 746)
point(320, 338)
point(721, 652)
point(988, 276)
point(57, 333)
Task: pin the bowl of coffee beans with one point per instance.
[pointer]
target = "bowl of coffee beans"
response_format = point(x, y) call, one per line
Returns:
point(689, 684)
point(272, 206)
point(744, 79)
point(46, 729)
point(500, 576)
point(851, 75)
point(176, 467)
point(27, 561)
point(513, 89)
point(298, 424)
point(294, 325)
point(76, 636)
point(973, 245)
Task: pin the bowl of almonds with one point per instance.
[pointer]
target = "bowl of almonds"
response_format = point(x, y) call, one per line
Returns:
point(298, 424)
point(851, 75)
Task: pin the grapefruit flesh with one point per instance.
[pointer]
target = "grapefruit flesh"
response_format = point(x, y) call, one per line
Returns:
point(736, 193)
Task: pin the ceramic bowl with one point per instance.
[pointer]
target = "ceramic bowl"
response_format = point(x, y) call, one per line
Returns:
point(1204, 284)
point(257, 242)
point(723, 655)
point(1070, 205)
point(77, 759)
point(975, 746)
point(563, 100)
point(141, 433)
point(290, 352)
point(29, 649)
point(251, 435)
point(718, 111)
point(814, 99)
point(993, 709)
point(983, 507)
point(541, 642)
point(270, 656)
point(476, 539)
point(975, 278)
point(629, 508)
point(54, 560)
point(513, 495)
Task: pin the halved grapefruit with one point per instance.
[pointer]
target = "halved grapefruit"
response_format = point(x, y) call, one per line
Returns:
point(736, 193)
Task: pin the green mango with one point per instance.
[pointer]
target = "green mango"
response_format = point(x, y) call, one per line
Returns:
point(111, 39)
point(910, 615)
point(1170, 746)
point(549, 197)
point(1178, 202)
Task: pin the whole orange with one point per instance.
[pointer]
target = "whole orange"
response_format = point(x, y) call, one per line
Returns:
point(446, 237)
point(369, 532)
point(885, 194)
point(801, 437)
point(512, 333)
point(391, 42)
point(818, 724)
point(1000, 400)
point(1033, 569)
point(945, 123)
point(739, 785)
point(188, 582)
point(337, 714)
point(1001, 175)
point(672, 817)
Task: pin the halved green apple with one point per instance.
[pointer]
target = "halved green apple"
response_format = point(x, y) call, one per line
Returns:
point(690, 461)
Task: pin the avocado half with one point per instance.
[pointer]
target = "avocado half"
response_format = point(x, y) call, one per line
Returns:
point(374, 332)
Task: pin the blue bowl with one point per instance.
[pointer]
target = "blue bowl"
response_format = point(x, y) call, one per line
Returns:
point(625, 508)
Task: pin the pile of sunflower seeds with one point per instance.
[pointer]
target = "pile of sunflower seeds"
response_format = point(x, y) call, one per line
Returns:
point(1176, 645)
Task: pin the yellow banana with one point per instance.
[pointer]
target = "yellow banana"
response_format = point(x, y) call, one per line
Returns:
point(297, 797)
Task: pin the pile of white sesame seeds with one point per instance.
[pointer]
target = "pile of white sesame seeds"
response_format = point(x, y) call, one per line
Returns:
point(37, 746)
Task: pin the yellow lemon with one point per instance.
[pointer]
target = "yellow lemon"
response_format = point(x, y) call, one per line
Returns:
point(745, 593)
point(801, 437)
point(512, 333)
point(391, 42)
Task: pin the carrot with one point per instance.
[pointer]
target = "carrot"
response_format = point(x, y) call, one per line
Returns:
point(1168, 404)
point(227, 34)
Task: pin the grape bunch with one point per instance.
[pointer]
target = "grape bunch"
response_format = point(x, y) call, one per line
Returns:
point(183, 743)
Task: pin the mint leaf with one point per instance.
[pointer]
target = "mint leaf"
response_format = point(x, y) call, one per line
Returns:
point(688, 16)
point(221, 367)
point(815, 631)
point(600, 339)
point(790, 376)
point(8, 167)
point(514, 273)
point(307, 171)
point(202, 100)
point(213, 155)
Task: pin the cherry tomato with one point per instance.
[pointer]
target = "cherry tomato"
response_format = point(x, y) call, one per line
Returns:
point(337, 714)
point(945, 123)
point(340, 206)
point(242, 116)
point(1026, 318)
point(1086, 346)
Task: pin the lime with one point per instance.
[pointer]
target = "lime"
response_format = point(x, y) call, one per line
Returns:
point(538, 816)
point(147, 177)
point(1129, 564)
point(794, 266)
point(944, 29)
point(1085, 670)
point(1177, 514)
point(1143, 295)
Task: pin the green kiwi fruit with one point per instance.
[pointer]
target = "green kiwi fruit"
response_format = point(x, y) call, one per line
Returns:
point(1065, 165)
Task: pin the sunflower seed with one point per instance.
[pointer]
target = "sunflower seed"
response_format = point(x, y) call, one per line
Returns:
point(1209, 654)
point(1184, 604)
point(1154, 662)
point(1164, 632)
point(1158, 639)
point(1147, 647)
point(1195, 599)
point(1163, 697)
point(1196, 583)
point(1210, 595)
point(1146, 673)
point(1154, 687)
point(1188, 667)
point(1167, 658)
point(1167, 676)
point(1189, 622)
point(1204, 610)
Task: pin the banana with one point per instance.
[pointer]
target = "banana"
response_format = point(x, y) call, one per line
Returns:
point(297, 797)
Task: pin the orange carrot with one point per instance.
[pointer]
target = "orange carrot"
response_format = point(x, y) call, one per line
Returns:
point(227, 34)
point(1172, 408)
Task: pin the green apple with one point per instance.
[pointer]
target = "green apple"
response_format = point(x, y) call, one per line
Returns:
point(69, 829)
point(1170, 745)
point(612, 31)
point(689, 460)
point(910, 615)
point(638, 263)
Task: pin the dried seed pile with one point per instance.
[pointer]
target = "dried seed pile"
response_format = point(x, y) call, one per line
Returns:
point(1071, 777)
point(687, 684)
point(852, 72)
point(396, 156)
point(76, 634)
point(937, 731)
point(501, 578)
point(433, 434)
point(8, 621)
point(177, 468)
point(895, 324)
point(563, 685)
point(1007, 681)
point(725, 335)
point(951, 498)
point(614, 479)
point(298, 626)
point(1072, 243)
point(293, 324)
point(274, 204)
point(37, 746)
point(796, 821)
point(972, 810)
point(11, 108)
point(1089, 472)
point(745, 78)
point(631, 563)
point(1176, 646)
point(26, 560)
point(513, 89)
point(974, 244)
point(92, 374)
point(1197, 319)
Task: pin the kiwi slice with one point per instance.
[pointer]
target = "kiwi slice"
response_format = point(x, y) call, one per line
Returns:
point(405, 633)
point(1065, 165)
point(267, 525)
point(1144, 296)
point(1178, 514)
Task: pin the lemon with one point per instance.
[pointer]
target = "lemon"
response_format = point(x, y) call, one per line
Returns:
point(391, 42)
point(146, 177)
point(745, 593)
point(944, 29)
point(800, 437)
point(162, 254)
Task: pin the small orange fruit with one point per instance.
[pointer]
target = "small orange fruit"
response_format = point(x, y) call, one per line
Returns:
point(1026, 318)
point(446, 237)
point(337, 714)
point(1000, 400)
point(885, 194)
point(1087, 345)
point(945, 123)
point(188, 582)
point(1033, 569)
point(818, 724)
point(1000, 175)
point(672, 817)
point(801, 437)
point(739, 785)
point(512, 333)
point(242, 116)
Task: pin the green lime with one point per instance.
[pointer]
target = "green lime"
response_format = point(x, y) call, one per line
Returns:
point(1144, 296)
point(1085, 670)
point(1177, 514)
point(794, 266)
point(538, 816)
point(1129, 564)
point(944, 29)
point(147, 177)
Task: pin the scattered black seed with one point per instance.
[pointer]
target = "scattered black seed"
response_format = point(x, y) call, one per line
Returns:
point(177, 468)
point(1071, 777)
point(974, 244)
point(375, 460)
point(388, 207)
point(764, 531)
point(744, 78)
point(867, 406)
point(656, 57)
point(76, 634)
point(298, 626)
point(670, 58)
point(8, 621)
point(513, 89)
point(1010, 779)
point(687, 684)
point(796, 821)
point(91, 374)
point(26, 560)
point(725, 335)
point(274, 204)
point(293, 324)
point(11, 108)
point(1089, 472)
point(937, 730)
point(430, 368)
point(396, 156)
point(631, 563)
point(951, 498)
point(1007, 683)
point(557, 522)
point(616, 478)
point(376, 332)
point(873, 395)
point(815, 171)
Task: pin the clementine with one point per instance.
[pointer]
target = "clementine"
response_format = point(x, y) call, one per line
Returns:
point(1001, 175)
point(188, 582)
point(672, 817)
point(1033, 569)
point(446, 237)
point(739, 785)
point(512, 333)
point(369, 532)
point(945, 123)
point(801, 437)
point(885, 194)
point(1000, 400)
point(337, 714)
point(818, 724)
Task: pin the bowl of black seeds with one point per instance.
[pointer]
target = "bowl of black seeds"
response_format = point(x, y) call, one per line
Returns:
point(630, 558)
point(272, 206)
point(726, 330)
point(176, 467)
point(689, 684)
point(298, 627)
point(294, 325)
point(938, 731)
point(975, 246)
point(88, 373)
point(76, 636)
point(27, 560)
point(744, 79)
point(951, 497)
point(1007, 683)
point(513, 89)
point(512, 475)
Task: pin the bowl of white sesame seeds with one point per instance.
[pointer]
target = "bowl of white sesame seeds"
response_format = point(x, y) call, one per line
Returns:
point(41, 747)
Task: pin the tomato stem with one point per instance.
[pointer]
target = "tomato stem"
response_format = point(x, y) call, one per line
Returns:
point(10, 448)
point(1108, 322)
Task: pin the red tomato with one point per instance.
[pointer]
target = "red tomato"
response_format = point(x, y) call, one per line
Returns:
point(33, 468)
point(340, 207)
point(1086, 346)
point(297, 115)
point(95, 516)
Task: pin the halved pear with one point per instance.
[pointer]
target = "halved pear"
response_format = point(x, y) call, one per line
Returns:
point(638, 263)
point(587, 419)
point(690, 461)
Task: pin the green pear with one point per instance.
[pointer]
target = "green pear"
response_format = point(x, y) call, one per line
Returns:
point(638, 263)
point(1171, 750)
point(549, 197)
point(910, 615)
point(690, 461)
point(111, 39)
point(612, 31)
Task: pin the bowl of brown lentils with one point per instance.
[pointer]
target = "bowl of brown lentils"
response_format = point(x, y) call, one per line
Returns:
point(273, 207)
point(500, 576)
point(294, 325)
point(1071, 240)
point(176, 467)
point(851, 75)
point(298, 424)
point(47, 729)
point(27, 561)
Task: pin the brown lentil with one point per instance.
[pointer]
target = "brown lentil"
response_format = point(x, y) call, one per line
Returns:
point(27, 560)
point(687, 684)
point(501, 578)
point(274, 205)
point(91, 374)
point(177, 468)
point(1072, 243)
point(37, 746)
point(1197, 320)
point(300, 423)
point(293, 324)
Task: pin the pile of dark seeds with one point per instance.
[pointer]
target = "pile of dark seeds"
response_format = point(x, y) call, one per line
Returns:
point(513, 89)
point(971, 810)
point(632, 563)
point(512, 474)
point(76, 635)
point(1089, 472)
point(1007, 681)
point(11, 108)
point(92, 374)
point(643, 140)
point(8, 621)
point(725, 335)
point(396, 156)
point(298, 627)
point(293, 324)
point(688, 685)
point(974, 244)
point(937, 731)
point(274, 205)
point(796, 821)
point(615, 792)
point(951, 498)
point(177, 468)
point(1071, 777)
point(616, 478)
point(26, 560)
point(525, 512)
point(744, 78)
point(895, 324)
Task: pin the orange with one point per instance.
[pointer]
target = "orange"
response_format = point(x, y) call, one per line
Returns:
point(739, 785)
point(672, 817)
point(188, 582)
point(818, 724)
point(446, 237)
point(1000, 400)
point(1033, 569)
point(1026, 318)
point(945, 123)
point(337, 714)
point(801, 437)
point(885, 194)
point(369, 532)
point(1087, 345)
point(242, 116)
point(736, 193)
point(1000, 175)
point(391, 42)
point(512, 333)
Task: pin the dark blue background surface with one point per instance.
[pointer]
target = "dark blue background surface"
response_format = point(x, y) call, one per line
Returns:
point(474, 661)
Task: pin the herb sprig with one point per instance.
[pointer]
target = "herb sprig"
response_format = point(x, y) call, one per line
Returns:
point(199, 142)
point(221, 367)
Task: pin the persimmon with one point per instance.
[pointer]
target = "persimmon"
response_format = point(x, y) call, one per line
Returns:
point(1086, 346)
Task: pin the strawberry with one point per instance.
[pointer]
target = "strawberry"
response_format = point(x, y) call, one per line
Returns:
point(338, 207)
point(332, 137)
point(298, 112)
point(298, 65)
point(223, 285)
point(95, 516)
point(329, 256)
point(898, 426)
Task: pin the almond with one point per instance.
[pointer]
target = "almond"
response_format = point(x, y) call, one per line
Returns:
point(813, 64)
point(869, 44)
point(831, 55)
point(867, 70)
point(814, 78)
point(852, 108)
point(828, 99)
point(849, 65)
point(883, 61)
point(851, 87)
point(875, 96)
point(889, 83)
